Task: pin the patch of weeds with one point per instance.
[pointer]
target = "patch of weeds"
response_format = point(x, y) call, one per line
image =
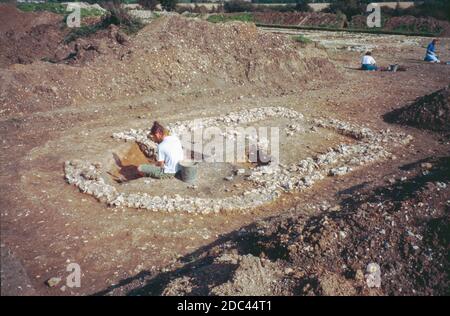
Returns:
point(82, 31)
point(115, 15)
point(57, 8)
point(120, 17)
point(301, 39)
point(35, 7)
point(221, 18)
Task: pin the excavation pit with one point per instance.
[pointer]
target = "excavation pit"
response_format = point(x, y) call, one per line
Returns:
point(219, 179)
point(309, 151)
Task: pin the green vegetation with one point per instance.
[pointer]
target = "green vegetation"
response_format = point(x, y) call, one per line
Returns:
point(243, 6)
point(220, 18)
point(83, 31)
point(439, 9)
point(168, 5)
point(148, 4)
point(57, 8)
point(414, 29)
point(347, 7)
point(301, 39)
point(34, 7)
point(115, 15)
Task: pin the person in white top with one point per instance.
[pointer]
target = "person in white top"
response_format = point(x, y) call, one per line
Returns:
point(368, 62)
point(170, 153)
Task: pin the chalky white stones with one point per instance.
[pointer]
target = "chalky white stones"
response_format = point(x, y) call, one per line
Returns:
point(268, 182)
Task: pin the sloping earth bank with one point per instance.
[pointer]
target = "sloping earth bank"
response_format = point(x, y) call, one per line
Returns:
point(299, 18)
point(407, 24)
point(169, 53)
point(27, 37)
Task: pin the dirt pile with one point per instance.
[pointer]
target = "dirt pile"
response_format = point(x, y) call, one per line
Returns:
point(430, 112)
point(400, 226)
point(299, 18)
point(413, 24)
point(26, 36)
point(169, 53)
point(407, 24)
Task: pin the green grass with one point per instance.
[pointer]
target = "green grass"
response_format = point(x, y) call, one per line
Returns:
point(220, 18)
point(301, 39)
point(412, 29)
point(34, 7)
point(57, 8)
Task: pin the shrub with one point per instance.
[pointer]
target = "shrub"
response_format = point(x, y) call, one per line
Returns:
point(348, 7)
point(301, 39)
point(237, 6)
point(243, 17)
point(303, 6)
point(119, 16)
point(148, 4)
point(439, 9)
point(168, 5)
point(116, 15)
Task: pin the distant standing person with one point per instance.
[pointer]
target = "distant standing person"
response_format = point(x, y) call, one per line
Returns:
point(431, 52)
point(170, 153)
point(368, 62)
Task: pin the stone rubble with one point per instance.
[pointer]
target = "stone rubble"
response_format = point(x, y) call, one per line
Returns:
point(268, 181)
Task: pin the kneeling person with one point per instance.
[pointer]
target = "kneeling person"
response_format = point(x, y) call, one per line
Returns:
point(430, 55)
point(170, 153)
point(368, 62)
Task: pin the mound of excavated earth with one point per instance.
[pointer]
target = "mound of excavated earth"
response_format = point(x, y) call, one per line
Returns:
point(28, 36)
point(428, 112)
point(299, 18)
point(169, 53)
point(389, 239)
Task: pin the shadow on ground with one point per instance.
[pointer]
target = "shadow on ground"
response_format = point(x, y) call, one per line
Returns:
point(362, 224)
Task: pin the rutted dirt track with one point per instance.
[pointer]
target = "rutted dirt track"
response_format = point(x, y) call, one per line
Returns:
point(46, 223)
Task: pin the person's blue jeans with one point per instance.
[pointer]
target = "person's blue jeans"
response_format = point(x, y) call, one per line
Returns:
point(431, 58)
point(369, 67)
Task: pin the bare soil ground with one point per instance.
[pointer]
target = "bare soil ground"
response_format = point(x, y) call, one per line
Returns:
point(394, 213)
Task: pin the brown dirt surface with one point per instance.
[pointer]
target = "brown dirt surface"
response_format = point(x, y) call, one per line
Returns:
point(401, 224)
point(299, 18)
point(27, 36)
point(166, 54)
point(428, 112)
point(318, 241)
